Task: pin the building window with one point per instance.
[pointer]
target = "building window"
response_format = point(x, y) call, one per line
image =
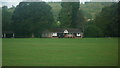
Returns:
point(54, 34)
point(78, 34)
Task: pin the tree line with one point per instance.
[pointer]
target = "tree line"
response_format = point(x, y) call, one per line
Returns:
point(29, 19)
point(105, 23)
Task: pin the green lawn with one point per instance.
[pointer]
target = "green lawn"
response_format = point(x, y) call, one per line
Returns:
point(60, 52)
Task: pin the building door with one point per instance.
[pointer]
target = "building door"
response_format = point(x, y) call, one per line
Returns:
point(60, 35)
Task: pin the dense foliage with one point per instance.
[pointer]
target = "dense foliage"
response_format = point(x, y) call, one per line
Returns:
point(66, 14)
point(6, 18)
point(31, 18)
point(107, 21)
point(118, 18)
point(91, 9)
point(70, 15)
point(91, 30)
point(56, 7)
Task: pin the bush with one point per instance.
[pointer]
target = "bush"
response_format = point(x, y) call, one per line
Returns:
point(93, 31)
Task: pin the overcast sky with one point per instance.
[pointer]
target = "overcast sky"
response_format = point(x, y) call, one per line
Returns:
point(9, 3)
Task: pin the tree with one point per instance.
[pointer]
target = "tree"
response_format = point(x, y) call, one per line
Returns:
point(6, 19)
point(75, 13)
point(80, 21)
point(56, 7)
point(118, 9)
point(69, 14)
point(31, 18)
point(66, 14)
point(92, 30)
point(90, 9)
point(107, 21)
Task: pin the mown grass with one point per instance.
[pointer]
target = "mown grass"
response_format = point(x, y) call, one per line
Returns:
point(60, 52)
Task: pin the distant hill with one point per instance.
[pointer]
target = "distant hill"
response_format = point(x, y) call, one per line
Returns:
point(56, 7)
point(90, 9)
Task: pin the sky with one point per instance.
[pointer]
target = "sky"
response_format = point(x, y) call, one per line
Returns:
point(9, 3)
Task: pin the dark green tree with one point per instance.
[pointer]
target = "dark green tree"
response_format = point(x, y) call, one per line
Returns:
point(107, 21)
point(118, 9)
point(91, 30)
point(6, 19)
point(31, 18)
point(66, 14)
point(80, 21)
point(69, 14)
point(75, 13)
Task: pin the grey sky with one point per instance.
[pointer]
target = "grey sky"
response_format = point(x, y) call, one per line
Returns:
point(9, 3)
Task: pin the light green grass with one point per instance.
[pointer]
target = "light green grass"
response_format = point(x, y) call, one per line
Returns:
point(60, 52)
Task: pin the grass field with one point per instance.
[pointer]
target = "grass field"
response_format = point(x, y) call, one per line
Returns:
point(60, 52)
